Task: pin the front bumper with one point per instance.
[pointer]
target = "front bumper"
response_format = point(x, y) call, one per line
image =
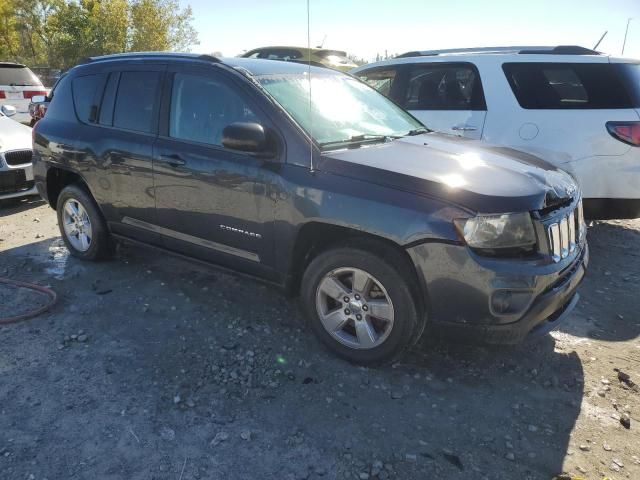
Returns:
point(16, 181)
point(462, 290)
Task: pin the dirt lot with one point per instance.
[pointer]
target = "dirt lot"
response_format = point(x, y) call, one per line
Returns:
point(150, 367)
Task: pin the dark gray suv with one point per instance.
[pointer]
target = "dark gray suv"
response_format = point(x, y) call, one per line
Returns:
point(384, 229)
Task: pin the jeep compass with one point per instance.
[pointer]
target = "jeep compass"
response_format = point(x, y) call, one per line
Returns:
point(309, 179)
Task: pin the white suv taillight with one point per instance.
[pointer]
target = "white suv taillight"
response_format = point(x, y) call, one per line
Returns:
point(627, 132)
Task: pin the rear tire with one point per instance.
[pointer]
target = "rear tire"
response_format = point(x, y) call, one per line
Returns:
point(360, 304)
point(82, 226)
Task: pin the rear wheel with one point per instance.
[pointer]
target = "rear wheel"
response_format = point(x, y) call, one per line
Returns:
point(83, 229)
point(360, 304)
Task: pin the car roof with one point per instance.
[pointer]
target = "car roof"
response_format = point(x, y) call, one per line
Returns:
point(261, 66)
point(285, 47)
point(12, 65)
point(499, 55)
point(253, 66)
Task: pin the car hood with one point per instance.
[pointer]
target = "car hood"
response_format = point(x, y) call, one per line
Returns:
point(469, 173)
point(13, 135)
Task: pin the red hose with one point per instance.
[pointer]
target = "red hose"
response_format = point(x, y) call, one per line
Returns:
point(31, 286)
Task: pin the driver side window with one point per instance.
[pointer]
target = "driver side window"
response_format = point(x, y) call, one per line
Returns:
point(201, 107)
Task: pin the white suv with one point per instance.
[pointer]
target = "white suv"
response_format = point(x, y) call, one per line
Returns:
point(569, 105)
point(18, 85)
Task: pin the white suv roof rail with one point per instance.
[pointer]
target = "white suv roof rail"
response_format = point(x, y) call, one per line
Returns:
point(540, 50)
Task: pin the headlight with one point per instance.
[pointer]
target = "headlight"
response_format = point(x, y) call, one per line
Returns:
point(509, 230)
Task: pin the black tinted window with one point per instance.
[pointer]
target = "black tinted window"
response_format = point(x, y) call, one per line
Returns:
point(136, 100)
point(380, 79)
point(567, 85)
point(201, 107)
point(87, 92)
point(108, 99)
point(444, 87)
point(17, 75)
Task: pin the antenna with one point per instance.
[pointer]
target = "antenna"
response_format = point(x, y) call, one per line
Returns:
point(324, 39)
point(309, 75)
point(601, 38)
point(624, 43)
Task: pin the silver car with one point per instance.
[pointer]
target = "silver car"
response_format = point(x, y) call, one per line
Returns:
point(16, 171)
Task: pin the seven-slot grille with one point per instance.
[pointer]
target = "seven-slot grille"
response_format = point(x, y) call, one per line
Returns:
point(565, 233)
point(18, 157)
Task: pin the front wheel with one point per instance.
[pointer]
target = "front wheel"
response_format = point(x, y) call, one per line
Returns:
point(360, 304)
point(83, 229)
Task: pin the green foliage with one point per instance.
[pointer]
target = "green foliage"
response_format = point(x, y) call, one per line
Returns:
point(58, 33)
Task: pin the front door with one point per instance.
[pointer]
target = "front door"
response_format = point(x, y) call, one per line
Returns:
point(446, 97)
point(212, 202)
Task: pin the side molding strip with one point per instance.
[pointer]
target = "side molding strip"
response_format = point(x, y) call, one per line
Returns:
point(254, 257)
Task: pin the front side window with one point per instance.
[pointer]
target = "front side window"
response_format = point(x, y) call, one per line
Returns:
point(567, 85)
point(380, 79)
point(136, 100)
point(338, 107)
point(201, 107)
point(444, 87)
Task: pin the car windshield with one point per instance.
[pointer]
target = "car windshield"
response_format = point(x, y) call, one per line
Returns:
point(343, 109)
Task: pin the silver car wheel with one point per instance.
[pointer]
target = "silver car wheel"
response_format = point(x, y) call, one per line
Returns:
point(354, 308)
point(77, 225)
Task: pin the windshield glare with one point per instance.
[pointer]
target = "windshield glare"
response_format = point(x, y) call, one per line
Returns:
point(341, 107)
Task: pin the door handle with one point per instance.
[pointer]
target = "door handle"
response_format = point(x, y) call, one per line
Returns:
point(464, 128)
point(173, 160)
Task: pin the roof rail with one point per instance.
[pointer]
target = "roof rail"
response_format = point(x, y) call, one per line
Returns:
point(541, 50)
point(158, 55)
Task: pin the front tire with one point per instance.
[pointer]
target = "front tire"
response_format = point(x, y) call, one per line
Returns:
point(82, 226)
point(360, 304)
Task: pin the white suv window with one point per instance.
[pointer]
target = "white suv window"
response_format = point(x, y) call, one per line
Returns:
point(444, 87)
point(380, 78)
point(568, 85)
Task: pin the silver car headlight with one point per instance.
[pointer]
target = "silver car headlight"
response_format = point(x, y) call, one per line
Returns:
point(505, 231)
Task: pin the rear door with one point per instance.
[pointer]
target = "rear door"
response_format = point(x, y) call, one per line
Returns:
point(128, 117)
point(446, 97)
point(212, 202)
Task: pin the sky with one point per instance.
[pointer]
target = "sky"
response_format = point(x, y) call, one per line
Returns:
point(367, 28)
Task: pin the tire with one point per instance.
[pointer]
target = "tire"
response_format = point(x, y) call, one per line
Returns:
point(99, 246)
point(366, 340)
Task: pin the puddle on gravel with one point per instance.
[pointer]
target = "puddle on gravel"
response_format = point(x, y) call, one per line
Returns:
point(57, 259)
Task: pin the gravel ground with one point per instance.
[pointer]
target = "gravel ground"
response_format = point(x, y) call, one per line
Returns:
point(150, 367)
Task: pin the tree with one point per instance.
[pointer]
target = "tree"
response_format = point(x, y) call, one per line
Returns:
point(58, 33)
point(161, 25)
point(9, 38)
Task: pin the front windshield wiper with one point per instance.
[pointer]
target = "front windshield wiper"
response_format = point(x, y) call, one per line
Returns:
point(417, 131)
point(358, 140)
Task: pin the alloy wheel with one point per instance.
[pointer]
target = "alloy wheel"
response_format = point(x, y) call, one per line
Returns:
point(354, 308)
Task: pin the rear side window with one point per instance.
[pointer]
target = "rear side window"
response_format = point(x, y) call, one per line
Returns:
point(136, 101)
point(380, 79)
point(444, 87)
point(18, 75)
point(550, 86)
point(87, 92)
point(201, 107)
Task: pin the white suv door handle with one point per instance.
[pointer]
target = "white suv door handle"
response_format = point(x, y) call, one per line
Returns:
point(464, 128)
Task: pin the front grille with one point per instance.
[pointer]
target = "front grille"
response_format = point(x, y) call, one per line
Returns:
point(18, 157)
point(14, 181)
point(565, 232)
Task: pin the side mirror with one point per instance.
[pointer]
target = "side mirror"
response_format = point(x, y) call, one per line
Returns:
point(38, 99)
point(8, 110)
point(247, 137)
